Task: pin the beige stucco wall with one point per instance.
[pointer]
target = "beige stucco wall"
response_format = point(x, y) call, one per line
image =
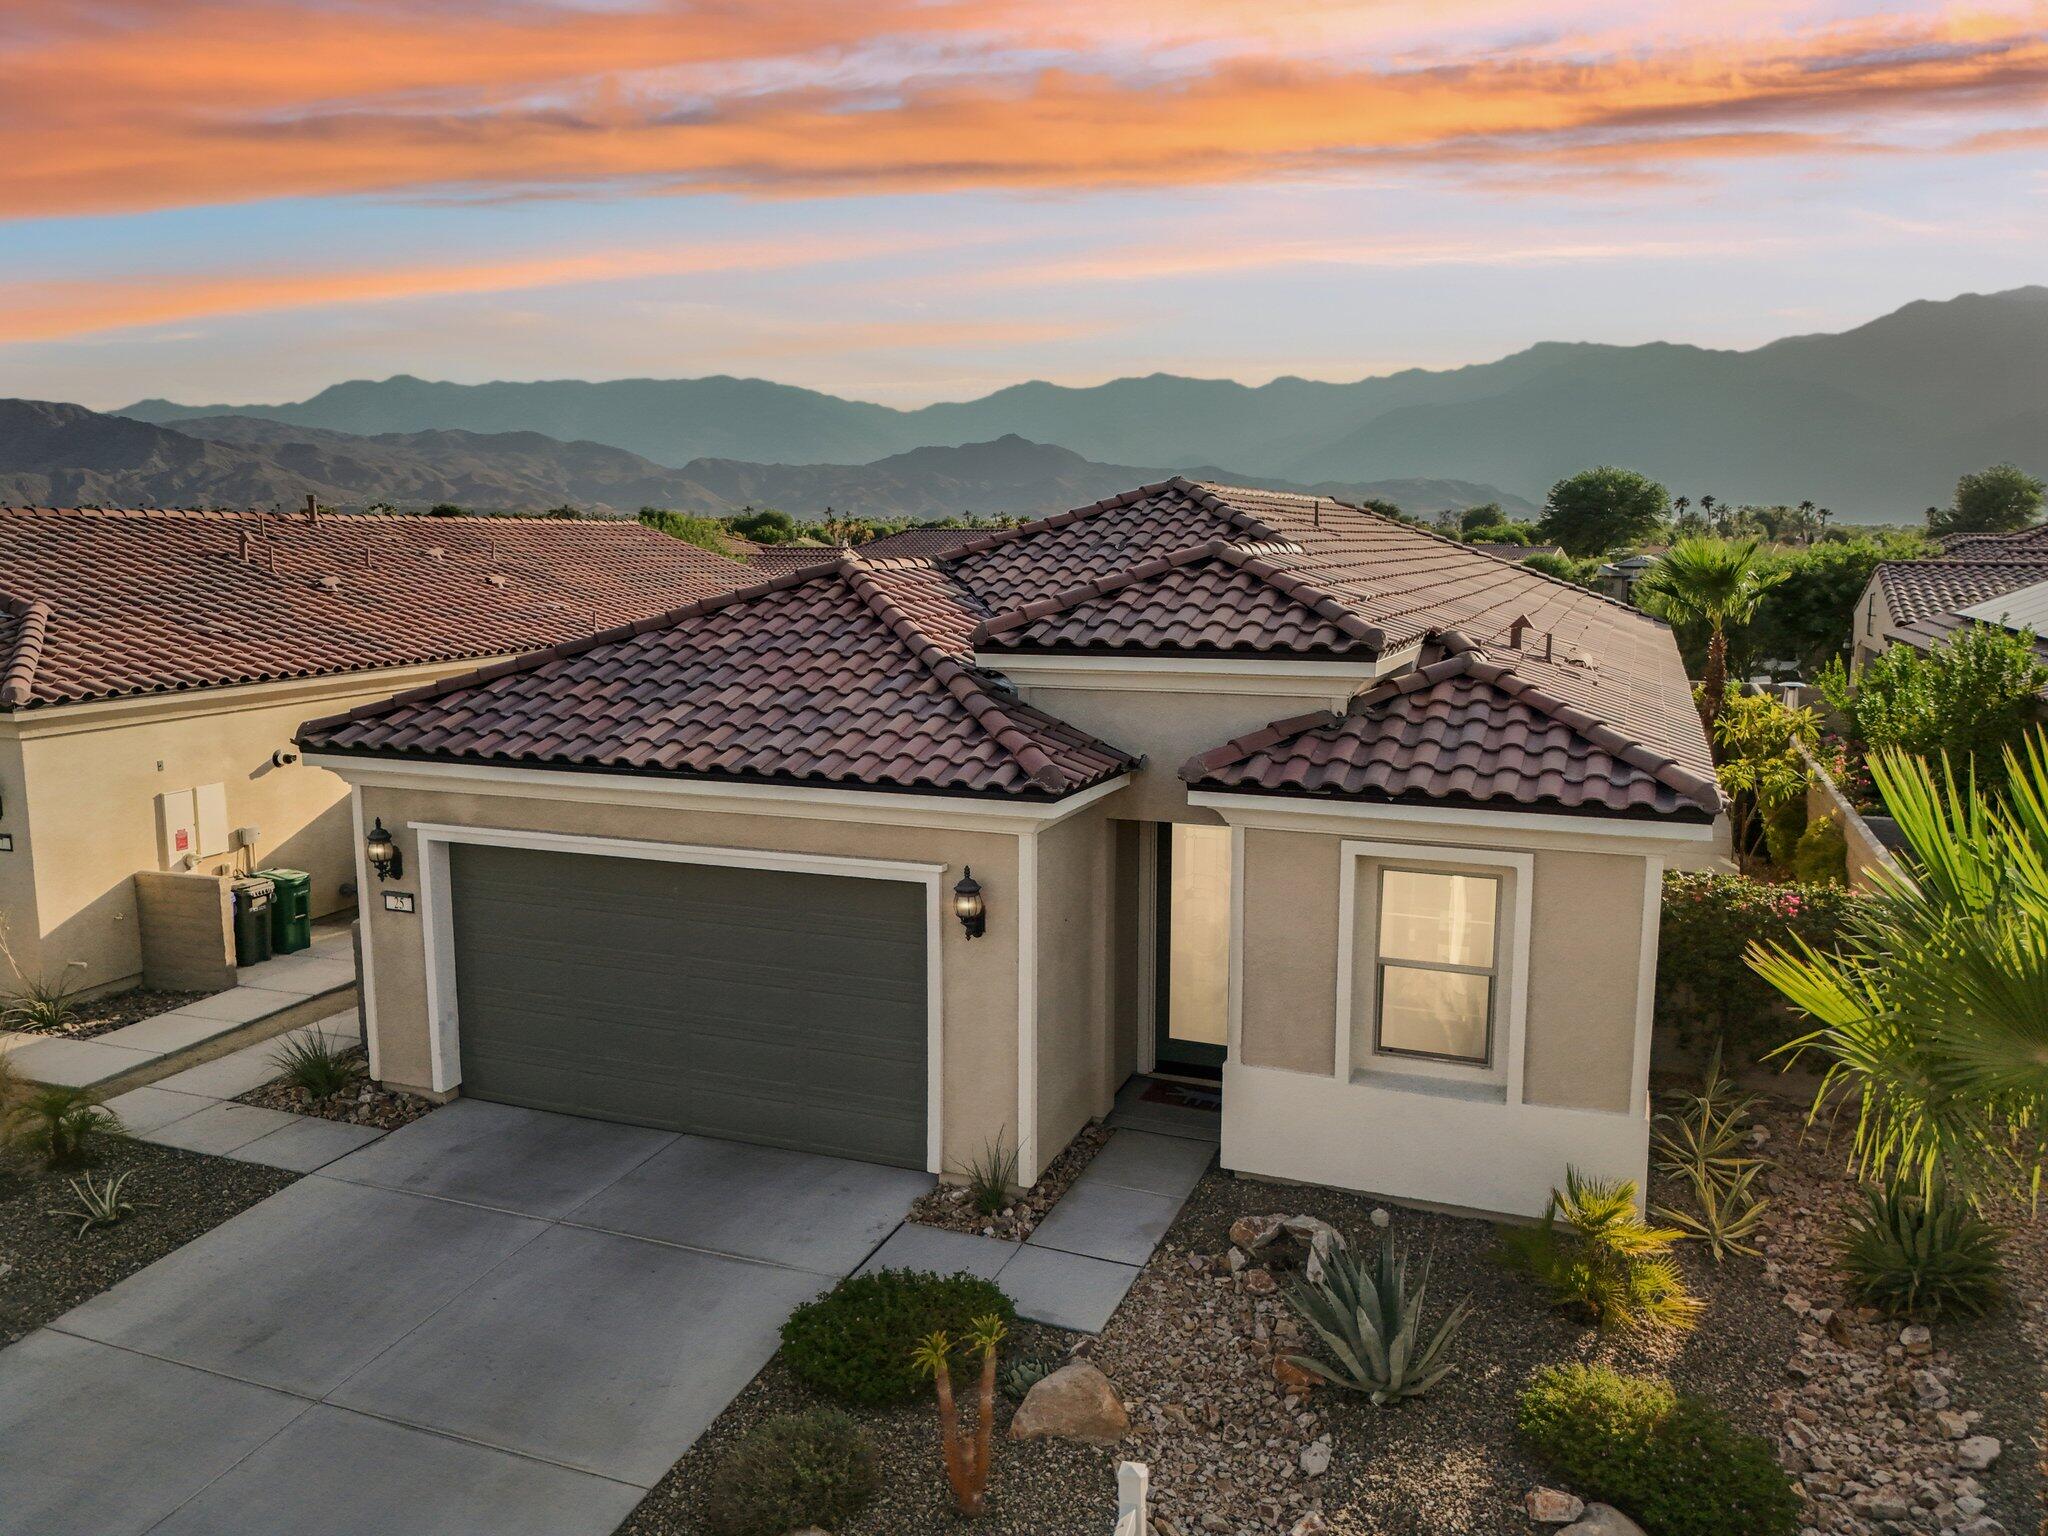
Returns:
point(978, 977)
point(1168, 729)
point(1129, 938)
point(1074, 1046)
point(1585, 957)
point(88, 776)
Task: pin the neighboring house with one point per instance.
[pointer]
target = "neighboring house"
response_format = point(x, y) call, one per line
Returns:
point(154, 665)
point(1618, 578)
point(919, 543)
point(1254, 786)
point(1983, 578)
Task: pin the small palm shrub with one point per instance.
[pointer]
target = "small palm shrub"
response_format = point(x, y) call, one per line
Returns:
point(990, 1176)
point(99, 1204)
point(1915, 1254)
point(795, 1471)
point(1595, 1255)
point(854, 1343)
point(65, 1127)
point(1705, 1144)
point(1371, 1325)
point(319, 1066)
point(1675, 1463)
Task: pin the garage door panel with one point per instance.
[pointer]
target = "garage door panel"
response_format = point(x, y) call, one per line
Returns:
point(767, 1006)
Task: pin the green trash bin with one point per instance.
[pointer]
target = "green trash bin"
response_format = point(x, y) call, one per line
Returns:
point(252, 920)
point(291, 909)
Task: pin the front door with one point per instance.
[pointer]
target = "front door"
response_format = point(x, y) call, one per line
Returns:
point(1191, 994)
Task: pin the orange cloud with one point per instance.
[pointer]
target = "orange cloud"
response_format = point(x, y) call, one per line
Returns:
point(228, 102)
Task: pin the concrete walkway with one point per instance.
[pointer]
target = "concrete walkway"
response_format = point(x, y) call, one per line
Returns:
point(266, 1000)
point(493, 1321)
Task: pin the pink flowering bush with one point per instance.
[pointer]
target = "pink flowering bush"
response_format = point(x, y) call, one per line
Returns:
point(1705, 987)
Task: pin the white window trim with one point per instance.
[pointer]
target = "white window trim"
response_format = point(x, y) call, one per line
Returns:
point(1512, 957)
point(438, 932)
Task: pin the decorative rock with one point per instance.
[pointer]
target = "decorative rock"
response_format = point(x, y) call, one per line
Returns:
point(1380, 1218)
point(1953, 1424)
point(1978, 1452)
point(1260, 1282)
point(1604, 1520)
point(1320, 1236)
point(1917, 1338)
point(1294, 1378)
point(1251, 1233)
point(1983, 1525)
point(1315, 1456)
point(1310, 1524)
point(1076, 1402)
point(1235, 1260)
point(1553, 1506)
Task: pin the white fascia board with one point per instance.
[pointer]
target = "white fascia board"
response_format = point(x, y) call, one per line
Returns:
point(1190, 674)
point(1294, 813)
point(799, 801)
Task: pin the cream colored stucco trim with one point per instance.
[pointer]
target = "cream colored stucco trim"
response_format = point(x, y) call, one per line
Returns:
point(1233, 1018)
point(1534, 829)
point(1027, 1006)
point(1646, 985)
point(437, 930)
point(1338, 680)
point(1514, 1025)
point(1148, 947)
point(949, 812)
point(366, 983)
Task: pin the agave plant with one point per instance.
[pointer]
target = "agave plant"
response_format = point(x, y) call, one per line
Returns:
point(99, 1204)
point(1595, 1254)
point(1705, 1144)
point(1370, 1324)
point(1913, 1252)
point(319, 1065)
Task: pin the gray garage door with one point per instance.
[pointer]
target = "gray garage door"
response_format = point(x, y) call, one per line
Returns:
point(753, 1004)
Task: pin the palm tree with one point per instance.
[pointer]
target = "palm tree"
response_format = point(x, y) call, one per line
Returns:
point(1935, 1009)
point(1714, 582)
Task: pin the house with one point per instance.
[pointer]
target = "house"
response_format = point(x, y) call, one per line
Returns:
point(1618, 578)
point(895, 859)
point(1980, 578)
point(154, 665)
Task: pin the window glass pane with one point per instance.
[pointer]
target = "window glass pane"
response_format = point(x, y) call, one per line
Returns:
point(1434, 1013)
point(1437, 919)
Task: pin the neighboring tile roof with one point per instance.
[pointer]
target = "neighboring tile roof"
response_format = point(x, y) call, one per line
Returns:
point(110, 604)
point(862, 673)
point(1918, 589)
point(765, 560)
point(917, 543)
point(1459, 730)
point(838, 675)
point(2027, 542)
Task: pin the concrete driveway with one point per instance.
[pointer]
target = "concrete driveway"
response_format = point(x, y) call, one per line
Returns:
point(495, 1321)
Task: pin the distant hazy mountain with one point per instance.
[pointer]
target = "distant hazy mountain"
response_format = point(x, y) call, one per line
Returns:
point(1875, 422)
point(51, 453)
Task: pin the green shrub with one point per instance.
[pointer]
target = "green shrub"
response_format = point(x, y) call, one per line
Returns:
point(1784, 825)
point(65, 1127)
point(1821, 856)
point(1705, 986)
point(1915, 1255)
point(793, 1472)
point(318, 1065)
point(1595, 1255)
point(990, 1176)
point(1674, 1463)
point(854, 1343)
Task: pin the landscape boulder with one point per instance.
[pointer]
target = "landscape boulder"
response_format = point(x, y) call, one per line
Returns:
point(1076, 1402)
point(1553, 1506)
point(1604, 1520)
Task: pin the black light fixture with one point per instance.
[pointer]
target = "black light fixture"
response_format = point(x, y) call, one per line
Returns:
point(383, 853)
point(968, 905)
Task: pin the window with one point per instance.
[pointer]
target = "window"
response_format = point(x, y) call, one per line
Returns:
point(1438, 961)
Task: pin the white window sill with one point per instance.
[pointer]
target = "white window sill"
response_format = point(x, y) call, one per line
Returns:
point(1471, 1089)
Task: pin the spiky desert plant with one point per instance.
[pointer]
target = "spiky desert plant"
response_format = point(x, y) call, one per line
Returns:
point(1705, 1144)
point(99, 1204)
point(1371, 1324)
point(990, 1175)
point(966, 1451)
point(1594, 1254)
point(1911, 1252)
point(63, 1126)
point(321, 1066)
point(36, 1004)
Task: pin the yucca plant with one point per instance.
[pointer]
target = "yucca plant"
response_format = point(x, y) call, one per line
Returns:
point(966, 1450)
point(1594, 1254)
point(99, 1204)
point(1371, 1325)
point(320, 1066)
point(1915, 1253)
point(1705, 1143)
point(36, 1004)
point(990, 1176)
point(63, 1126)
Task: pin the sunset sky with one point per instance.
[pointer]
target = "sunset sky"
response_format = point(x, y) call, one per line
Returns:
point(907, 200)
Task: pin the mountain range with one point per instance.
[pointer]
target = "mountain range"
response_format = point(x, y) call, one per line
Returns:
point(1874, 422)
point(53, 453)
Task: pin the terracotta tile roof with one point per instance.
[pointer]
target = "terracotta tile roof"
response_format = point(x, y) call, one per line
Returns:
point(108, 604)
point(2027, 542)
point(1460, 730)
point(917, 543)
point(842, 675)
point(1918, 589)
point(765, 560)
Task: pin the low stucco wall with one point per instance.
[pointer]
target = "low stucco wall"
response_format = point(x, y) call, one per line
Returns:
point(978, 977)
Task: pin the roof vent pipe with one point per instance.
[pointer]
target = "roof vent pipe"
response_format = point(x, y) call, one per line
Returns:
point(242, 545)
point(312, 508)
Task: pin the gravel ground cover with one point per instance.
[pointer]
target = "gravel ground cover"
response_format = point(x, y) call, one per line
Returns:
point(98, 1015)
point(365, 1104)
point(177, 1196)
point(948, 1206)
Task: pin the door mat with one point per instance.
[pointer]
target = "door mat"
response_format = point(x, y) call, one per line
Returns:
point(1183, 1096)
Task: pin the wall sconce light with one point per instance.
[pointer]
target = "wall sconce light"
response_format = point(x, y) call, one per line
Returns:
point(968, 905)
point(383, 853)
